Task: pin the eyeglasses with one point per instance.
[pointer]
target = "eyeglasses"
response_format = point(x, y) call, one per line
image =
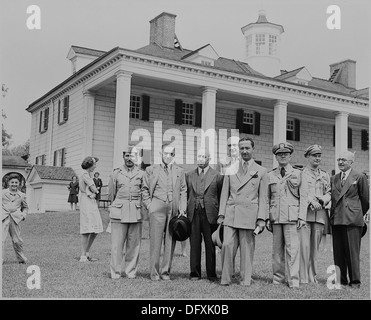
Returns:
point(342, 160)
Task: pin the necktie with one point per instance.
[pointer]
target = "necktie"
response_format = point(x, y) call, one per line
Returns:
point(282, 172)
point(342, 179)
point(245, 167)
point(166, 169)
point(202, 173)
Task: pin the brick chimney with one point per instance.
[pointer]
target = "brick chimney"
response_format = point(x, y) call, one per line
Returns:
point(344, 72)
point(162, 30)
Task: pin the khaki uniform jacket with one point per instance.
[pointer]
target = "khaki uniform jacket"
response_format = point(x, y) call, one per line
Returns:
point(351, 202)
point(179, 187)
point(16, 206)
point(124, 192)
point(244, 197)
point(318, 187)
point(287, 197)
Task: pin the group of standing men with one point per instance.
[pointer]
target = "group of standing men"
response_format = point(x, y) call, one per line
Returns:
point(245, 198)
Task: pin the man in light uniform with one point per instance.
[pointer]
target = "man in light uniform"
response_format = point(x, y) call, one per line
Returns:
point(124, 189)
point(317, 182)
point(285, 215)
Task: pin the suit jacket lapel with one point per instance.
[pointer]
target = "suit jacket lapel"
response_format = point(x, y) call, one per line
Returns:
point(209, 177)
point(249, 174)
point(347, 183)
point(156, 172)
point(337, 182)
point(193, 179)
point(239, 174)
point(174, 173)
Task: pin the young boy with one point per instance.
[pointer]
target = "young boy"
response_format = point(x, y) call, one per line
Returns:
point(15, 208)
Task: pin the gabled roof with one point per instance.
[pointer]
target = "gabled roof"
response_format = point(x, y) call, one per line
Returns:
point(54, 173)
point(14, 161)
point(91, 52)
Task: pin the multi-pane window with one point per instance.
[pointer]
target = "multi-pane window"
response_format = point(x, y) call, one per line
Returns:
point(135, 102)
point(272, 45)
point(59, 157)
point(260, 43)
point(40, 160)
point(188, 113)
point(44, 120)
point(63, 106)
point(248, 118)
point(206, 63)
point(290, 130)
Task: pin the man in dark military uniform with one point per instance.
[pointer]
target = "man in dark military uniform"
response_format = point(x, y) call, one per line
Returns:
point(317, 182)
point(287, 213)
point(124, 189)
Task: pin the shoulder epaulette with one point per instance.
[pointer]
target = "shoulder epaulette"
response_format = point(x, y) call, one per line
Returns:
point(298, 167)
point(272, 169)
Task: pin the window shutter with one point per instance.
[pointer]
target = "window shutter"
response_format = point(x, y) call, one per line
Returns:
point(333, 136)
point(55, 158)
point(239, 120)
point(257, 123)
point(364, 140)
point(350, 140)
point(43, 160)
point(145, 107)
point(59, 111)
point(63, 157)
point(66, 108)
point(37, 161)
point(41, 120)
point(46, 118)
point(198, 115)
point(178, 111)
point(297, 130)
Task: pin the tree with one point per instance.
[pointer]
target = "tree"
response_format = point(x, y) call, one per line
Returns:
point(5, 135)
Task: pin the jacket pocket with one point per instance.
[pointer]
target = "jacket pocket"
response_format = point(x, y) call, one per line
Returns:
point(293, 212)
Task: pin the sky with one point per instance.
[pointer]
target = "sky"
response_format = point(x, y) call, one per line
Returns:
point(33, 61)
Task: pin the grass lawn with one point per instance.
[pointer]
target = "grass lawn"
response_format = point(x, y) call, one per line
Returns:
point(52, 242)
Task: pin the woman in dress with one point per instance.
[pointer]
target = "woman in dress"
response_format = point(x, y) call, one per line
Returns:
point(99, 184)
point(73, 187)
point(90, 219)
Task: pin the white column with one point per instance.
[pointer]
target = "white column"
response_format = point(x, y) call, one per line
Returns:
point(341, 135)
point(122, 113)
point(88, 124)
point(279, 124)
point(208, 119)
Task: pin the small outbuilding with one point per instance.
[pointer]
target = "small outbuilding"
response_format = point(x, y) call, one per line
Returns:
point(47, 188)
point(14, 164)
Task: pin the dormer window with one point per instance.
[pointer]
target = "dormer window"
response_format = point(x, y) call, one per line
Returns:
point(206, 63)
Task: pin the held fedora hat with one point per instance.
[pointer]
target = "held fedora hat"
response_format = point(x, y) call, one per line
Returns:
point(180, 228)
point(217, 236)
point(364, 230)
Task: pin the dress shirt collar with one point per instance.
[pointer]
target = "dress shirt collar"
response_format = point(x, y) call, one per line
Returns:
point(205, 170)
point(346, 174)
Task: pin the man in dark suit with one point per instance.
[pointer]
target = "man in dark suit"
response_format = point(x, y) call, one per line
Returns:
point(204, 186)
point(349, 203)
point(164, 193)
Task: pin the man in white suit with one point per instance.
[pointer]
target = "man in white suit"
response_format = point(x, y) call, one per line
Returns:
point(243, 208)
point(164, 193)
